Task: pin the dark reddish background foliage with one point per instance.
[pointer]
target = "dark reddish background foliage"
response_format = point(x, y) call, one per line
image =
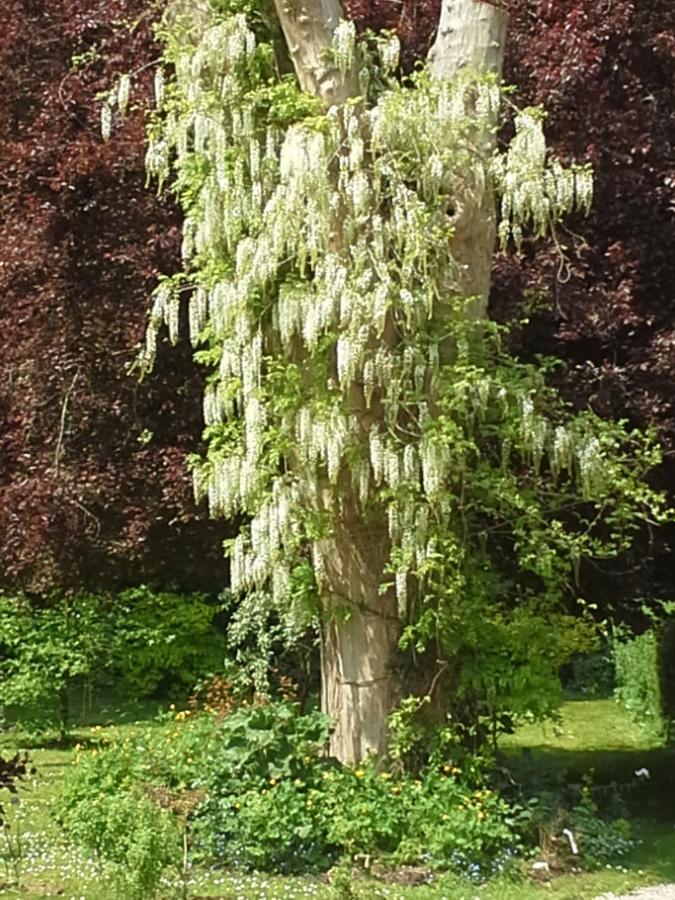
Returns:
point(83, 242)
point(83, 502)
point(605, 71)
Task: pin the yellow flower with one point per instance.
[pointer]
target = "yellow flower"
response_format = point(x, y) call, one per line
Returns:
point(237, 806)
point(395, 789)
point(298, 783)
point(172, 706)
point(273, 781)
point(445, 817)
point(359, 773)
point(447, 769)
point(385, 775)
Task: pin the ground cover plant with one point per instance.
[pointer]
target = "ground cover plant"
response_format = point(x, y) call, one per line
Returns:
point(121, 761)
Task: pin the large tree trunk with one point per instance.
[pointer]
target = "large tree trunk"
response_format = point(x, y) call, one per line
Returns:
point(360, 632)
point(472, 34)
point(360, 627)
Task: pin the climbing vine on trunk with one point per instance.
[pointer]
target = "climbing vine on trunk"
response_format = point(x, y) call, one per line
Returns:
point(360, 416)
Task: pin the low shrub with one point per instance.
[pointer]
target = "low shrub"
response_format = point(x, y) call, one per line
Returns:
point(601, 840)
point(267, 799)
point(590, 674)
point(45, 650)
point(133, 642)
point(573, 831)
point(164, 637)
point(132, 832)
point(645, 674)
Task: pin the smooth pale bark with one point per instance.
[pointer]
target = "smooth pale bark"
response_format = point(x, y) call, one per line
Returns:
point(472, 34)
point(308, 26)
point(360, 628)
point(359, 634)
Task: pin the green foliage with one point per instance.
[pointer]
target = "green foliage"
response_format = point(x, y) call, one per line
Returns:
point(257, 777)
point(637, 675)
point(667, 671)
point(444, 818)
point(590, 674)
point(574, 832)
point(136, 641)
point(601, 840)
point(505, 557)
point(129, 830)
point(163, 637)
point(45, 650)
point(644, 673)
point(269, 800)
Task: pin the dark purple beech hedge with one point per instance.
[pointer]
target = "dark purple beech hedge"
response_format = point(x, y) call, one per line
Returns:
point(93, 485)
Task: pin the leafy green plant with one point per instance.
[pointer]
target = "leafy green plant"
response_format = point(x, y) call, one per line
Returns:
point(590, 674)
point(263, 796)
point(444, 818)
point(164, 637)
point(637, 672)
point(12, 849)
point(47, 649)
point(131, 831)
point(601, 840)
point(573, 831)
point(136, 642)
point(645, 669)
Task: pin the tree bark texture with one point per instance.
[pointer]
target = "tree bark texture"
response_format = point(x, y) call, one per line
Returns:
point(360, 626)
point(472, 34)
point(359, 637)
point(308, 26)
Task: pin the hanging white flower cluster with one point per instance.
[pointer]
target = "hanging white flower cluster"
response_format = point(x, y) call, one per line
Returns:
point(119, 97)
point(536, 193)
point(390, 54)
point(327, 245)
point(344, 45)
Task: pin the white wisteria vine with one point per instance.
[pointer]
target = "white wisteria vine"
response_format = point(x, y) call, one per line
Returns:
point(322, 289)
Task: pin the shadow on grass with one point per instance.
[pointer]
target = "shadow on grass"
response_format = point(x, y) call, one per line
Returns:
point(652, 796)
point(655, 850)
point(33, 728)
point(598, 738)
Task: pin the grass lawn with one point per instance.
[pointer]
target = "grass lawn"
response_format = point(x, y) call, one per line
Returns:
point(591, 735)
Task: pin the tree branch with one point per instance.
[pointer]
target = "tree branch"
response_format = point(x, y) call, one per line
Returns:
point(308, 27)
